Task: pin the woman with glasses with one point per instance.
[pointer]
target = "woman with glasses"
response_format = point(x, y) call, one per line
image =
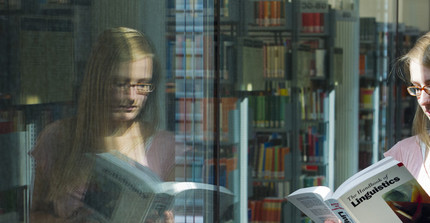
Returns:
point(414, 151)
point(117, 111)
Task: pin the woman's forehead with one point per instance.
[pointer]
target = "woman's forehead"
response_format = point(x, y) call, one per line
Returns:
point(135, 70)
point(418, 72)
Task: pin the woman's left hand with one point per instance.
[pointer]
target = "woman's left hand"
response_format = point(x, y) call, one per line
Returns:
point(168, 217)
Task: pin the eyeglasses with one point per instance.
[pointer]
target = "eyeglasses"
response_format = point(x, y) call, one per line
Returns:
point(141, 88)
point(416, 91)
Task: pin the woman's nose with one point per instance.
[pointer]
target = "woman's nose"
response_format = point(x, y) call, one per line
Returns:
point(131, 92)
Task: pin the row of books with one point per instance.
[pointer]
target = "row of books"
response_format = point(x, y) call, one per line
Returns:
point(311, 62)
point(313, 22)
point(189, 87)
point(269, 13)
point(261, 61)
point(368, 29)
point(225, 168)
point(312, 103)
point(267, 210)
point(274, 60)
point(262, 189)
point(268, 111)
point(268, 160)
point(189, 168)
point(367, 63)
point(186, 130)
point(196, 115)
point(311, 144)
point(198, 169)
point(185, 4)
point(190, 21)
point(310, 181)
point(181, 5)
point(366, 97)
point(226, 106)
point(187, 53)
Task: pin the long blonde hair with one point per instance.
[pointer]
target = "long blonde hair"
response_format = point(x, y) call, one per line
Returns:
point(92, 123)
point(419, 52)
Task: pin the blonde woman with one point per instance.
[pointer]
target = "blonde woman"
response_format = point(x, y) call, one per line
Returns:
point(117, 111)
point(414, 151)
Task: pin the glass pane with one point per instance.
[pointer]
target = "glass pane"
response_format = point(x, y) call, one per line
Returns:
point(264, 80)
point(386, 110)
point(75, 92)
point(191, 43)
point(248, 100)
point(377, 55)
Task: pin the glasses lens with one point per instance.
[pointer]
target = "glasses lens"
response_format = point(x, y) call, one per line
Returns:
point(145, 88)
point(414, 91)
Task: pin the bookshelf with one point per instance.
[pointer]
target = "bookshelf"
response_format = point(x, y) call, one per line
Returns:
point(264, 78)
point(368, 94)
point(269, 62)
point(381, 123)
point(315, 70)
point(286, 67)
point(200, 73)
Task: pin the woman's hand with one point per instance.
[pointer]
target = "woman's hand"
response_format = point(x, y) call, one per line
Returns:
point(168, 217)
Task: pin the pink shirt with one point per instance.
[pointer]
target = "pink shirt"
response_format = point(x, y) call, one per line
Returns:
point(409, 152)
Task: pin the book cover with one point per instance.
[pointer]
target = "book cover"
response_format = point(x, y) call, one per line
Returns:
point(383, 192)
point(122, 190)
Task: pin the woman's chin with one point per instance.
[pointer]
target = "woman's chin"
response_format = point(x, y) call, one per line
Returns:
point(124, 116)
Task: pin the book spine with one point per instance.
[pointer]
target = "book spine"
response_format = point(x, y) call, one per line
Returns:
point(260, 18)
point(266, 13)
point(273, 14)
point(339, 211)
point(260, 166)
point(269, 162)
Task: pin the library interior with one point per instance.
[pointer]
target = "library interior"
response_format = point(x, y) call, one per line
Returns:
point(257, 98)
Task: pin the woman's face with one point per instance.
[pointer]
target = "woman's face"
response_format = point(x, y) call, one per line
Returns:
point(130, 89)
point(420, 76)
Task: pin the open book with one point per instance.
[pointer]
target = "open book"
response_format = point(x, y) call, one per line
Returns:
point(122, 190)
point(383, 192)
